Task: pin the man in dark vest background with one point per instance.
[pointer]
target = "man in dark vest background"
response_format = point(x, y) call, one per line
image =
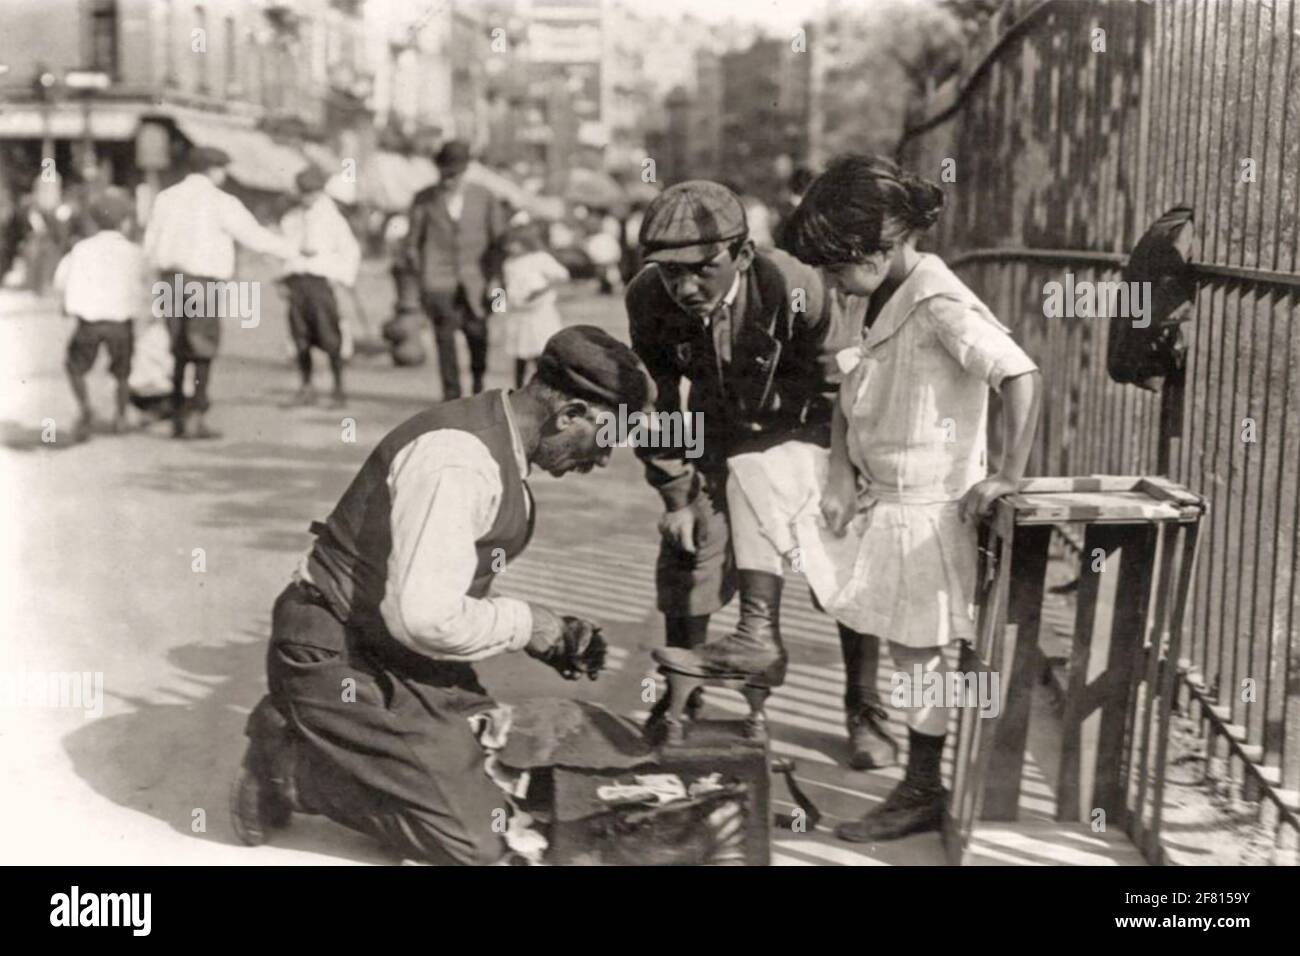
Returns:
point(392, 603)
point(456, 226)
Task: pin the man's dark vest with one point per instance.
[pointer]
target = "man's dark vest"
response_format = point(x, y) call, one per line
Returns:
point(349, 562)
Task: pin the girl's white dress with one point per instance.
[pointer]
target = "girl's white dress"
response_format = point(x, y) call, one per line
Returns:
point(529, 324)
point(916, 395)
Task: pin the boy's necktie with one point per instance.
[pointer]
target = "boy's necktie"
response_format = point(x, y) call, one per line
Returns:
point(720, 324)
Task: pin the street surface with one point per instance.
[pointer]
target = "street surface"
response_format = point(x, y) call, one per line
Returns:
point(99, 553)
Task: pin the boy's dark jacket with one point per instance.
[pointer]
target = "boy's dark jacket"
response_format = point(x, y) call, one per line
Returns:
point(786, 328)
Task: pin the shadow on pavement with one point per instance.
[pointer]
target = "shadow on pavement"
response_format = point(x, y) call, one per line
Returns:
point(169, 759)
point(20, 437)
point(271, 491)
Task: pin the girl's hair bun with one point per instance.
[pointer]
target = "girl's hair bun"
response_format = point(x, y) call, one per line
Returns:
point(924, 200)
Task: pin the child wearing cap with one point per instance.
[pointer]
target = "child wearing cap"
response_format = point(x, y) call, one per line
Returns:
point(102, 281)
point(328, 251)
point(908, 477)
point(531, 276)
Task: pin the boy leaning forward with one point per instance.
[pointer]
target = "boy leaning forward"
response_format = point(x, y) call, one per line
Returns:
point(755, 336)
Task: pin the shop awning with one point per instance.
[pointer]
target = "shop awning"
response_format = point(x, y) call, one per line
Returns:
point(257, 161)
point(68, 121)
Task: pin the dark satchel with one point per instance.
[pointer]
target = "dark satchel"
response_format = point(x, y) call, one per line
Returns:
point(1144, 355)
point(727, 825)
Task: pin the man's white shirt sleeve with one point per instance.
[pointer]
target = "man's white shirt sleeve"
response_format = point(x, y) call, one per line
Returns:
point(242, 226)
point(445, 491)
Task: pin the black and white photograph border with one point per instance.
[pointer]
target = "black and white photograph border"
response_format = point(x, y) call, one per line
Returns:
point(815, 433)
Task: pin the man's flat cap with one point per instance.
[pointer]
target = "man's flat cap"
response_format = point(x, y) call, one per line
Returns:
point(692, 222)
point(453, 157)
point(310, 180)
point(208, 157)
point(587, 362)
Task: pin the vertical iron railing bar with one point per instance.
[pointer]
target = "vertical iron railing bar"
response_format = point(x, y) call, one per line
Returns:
point(1290, 759)
point(1089, 189)
point(1275, 735)
point(1214, 379)
point(1265, 639)
point(1246, 314)
point(1228, 606)
point(1218, 563)
point(1186, 50)
point(1193, 356)
point(1295, 221)
point(1281, 189)
point(1268, 126)
point(1249, 146)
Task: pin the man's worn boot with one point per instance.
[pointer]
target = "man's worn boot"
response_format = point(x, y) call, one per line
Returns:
point(754, 651)
point(263, 796)
point(916, 805)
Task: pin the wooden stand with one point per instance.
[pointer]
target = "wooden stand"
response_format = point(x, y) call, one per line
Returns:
point(671, 728)
point(1138, 552)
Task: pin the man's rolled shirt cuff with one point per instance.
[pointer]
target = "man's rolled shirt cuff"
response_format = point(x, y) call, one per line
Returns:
point(520, 620)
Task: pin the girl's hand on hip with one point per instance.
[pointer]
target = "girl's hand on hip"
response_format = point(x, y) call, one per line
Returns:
point(978, 501)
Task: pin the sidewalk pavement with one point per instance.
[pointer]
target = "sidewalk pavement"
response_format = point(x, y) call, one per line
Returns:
point(104, 546)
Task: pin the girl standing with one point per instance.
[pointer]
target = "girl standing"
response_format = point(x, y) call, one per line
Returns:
point(908, 474)
point(531, 276)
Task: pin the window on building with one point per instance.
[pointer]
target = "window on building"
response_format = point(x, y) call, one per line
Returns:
point(199, 48)
point(103, 36)
point(231, 54)
point(169, 44)
point(253, 80)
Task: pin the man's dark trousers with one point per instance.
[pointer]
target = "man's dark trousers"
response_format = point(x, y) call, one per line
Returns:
point(449, 311)
point(195, 341)
point(386, 746)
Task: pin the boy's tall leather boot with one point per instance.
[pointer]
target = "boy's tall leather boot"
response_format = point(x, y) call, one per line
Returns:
point(754, 650)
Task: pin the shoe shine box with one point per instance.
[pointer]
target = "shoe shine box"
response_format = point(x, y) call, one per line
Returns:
point(726, 826)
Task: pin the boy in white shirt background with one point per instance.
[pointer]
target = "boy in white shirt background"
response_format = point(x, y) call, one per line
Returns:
point(328, 252)
point(103, 282)
point(191, 237)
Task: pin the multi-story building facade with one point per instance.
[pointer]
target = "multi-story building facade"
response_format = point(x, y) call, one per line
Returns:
point(121, 94)
point(703, 148)
point(766, 106)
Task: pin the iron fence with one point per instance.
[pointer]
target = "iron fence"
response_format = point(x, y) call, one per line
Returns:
point(1080, 124)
